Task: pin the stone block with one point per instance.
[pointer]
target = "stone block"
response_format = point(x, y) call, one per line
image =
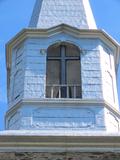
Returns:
point(60, 156)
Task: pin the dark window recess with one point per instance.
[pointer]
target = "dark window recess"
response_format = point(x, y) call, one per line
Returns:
point(17, 96)
point(63, 72)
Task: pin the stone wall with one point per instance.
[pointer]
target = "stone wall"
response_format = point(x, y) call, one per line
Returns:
point(60, 156)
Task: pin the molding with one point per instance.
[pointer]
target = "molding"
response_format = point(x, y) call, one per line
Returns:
point(59, 102)
point(50, 101)
point(41, 143)
point(64, 101)
point(79, 33)
point(59, 149)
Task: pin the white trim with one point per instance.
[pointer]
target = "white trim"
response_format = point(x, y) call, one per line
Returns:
point(82, 33)
point(59, 149)
point(79, 102)
point(58, 133)
point(89, 15)
point(89, 142)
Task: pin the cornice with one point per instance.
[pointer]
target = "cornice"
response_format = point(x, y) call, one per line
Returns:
point(22, 141)
point(81, 33)
point(63, 102)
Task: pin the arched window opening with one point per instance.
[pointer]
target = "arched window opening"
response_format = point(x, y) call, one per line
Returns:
point(63, 71)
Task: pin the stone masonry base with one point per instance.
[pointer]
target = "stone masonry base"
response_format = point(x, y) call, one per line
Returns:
point(60, 156)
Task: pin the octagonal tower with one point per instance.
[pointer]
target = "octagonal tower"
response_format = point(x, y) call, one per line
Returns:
point(61, 72)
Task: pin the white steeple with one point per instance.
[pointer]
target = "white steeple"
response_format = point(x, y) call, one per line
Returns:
point(49, 13)
point(62, 90)
point(62, 78)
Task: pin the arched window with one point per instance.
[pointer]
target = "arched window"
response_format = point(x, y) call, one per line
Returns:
point(63, 71)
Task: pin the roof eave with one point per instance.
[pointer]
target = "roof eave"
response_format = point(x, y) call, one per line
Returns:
point(33, 32)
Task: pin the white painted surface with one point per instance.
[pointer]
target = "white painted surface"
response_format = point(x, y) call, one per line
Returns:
point(94, 62)
point(89, 15)
point(49, 13)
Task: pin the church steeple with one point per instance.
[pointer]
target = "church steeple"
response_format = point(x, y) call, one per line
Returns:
point(49, 13)
point(62, 90)
point(62, 78)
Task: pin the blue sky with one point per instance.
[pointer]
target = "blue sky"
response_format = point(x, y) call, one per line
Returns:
point(15, 15)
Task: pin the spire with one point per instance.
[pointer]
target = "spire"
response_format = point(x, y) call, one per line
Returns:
point(49, 13)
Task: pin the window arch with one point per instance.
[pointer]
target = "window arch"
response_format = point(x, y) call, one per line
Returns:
point(63, 78)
